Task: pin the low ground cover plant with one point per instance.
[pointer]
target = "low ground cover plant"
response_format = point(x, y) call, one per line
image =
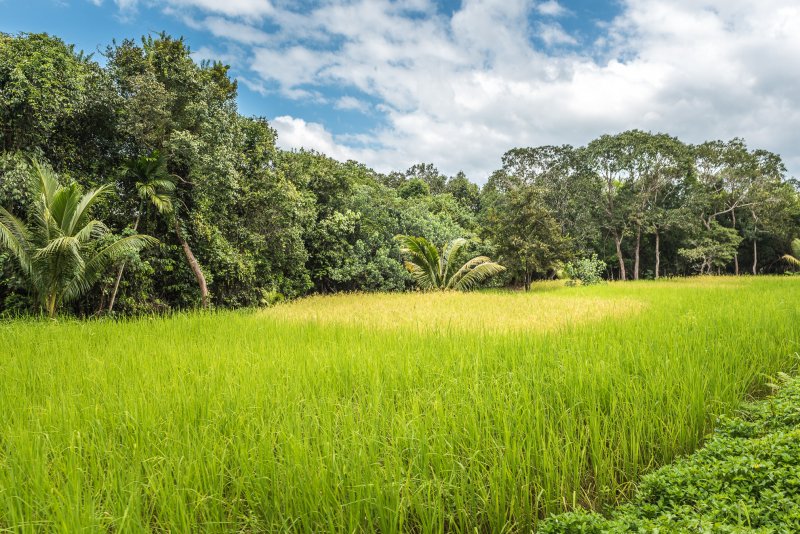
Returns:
point(746, 479)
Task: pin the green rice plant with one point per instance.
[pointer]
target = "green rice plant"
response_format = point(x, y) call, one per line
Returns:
point(743, 480)
point(300, 418)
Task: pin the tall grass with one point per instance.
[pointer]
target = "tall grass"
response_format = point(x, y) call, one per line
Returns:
point(333, 418)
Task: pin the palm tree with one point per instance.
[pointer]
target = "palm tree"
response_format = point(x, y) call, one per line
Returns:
point(154, 184)
point(153, 187)
point(62, 251)
point(794, 257)
point(433, 269)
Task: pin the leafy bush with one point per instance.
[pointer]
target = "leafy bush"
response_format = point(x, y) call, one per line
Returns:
point(747, 478)
point(586, 270)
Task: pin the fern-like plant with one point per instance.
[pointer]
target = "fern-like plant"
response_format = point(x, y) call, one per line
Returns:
point(62, 251)
point(435, 269)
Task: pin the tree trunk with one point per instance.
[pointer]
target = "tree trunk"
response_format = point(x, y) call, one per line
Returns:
point(116, 287)
point(755, 256)
point(198, 273)
point(51, 305)
point(121, 270)
point(658, 254)
point(736, 255)
point(636, 252)
point(618, 243)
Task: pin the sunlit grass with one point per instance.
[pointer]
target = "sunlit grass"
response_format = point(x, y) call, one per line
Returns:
point(325, 415)
point(500, 312)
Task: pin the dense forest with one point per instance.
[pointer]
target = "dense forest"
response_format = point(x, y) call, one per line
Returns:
point(240, 222)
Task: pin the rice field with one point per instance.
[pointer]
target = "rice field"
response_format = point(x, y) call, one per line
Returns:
point(392, 413)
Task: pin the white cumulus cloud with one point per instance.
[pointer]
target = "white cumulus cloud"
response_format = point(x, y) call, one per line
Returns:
point(459, 90)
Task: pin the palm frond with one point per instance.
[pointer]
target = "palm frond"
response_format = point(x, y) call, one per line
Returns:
point(64, 206)
point(157, 184)
point(432, 270)
point(104, 258)
point(153, 183)
point(792, 260)
point(92, 229)
point(81, 210)
point(465, 269)
point(478, 274)
point(450, 254)
point(16, 238)
point(44, 181)
point(424, 256)
point(162, 202)
point(59, 245)
point(420, 275)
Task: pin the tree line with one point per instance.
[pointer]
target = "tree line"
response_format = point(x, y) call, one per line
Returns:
point(238, 222)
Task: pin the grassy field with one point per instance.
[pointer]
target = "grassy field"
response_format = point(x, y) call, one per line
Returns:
point(412, 412)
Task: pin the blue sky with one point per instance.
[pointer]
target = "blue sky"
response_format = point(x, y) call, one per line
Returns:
point(457, 83)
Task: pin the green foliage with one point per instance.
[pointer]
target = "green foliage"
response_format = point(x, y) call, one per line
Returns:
point(745, 479)
point(711, 247)
point(428, 174)
point(587, 271)
point(526, 233)
point(152, 182)
point(435, 269)
point(154, 187)
point(415, 187)
point(42, 84)
point(464, 191)
point(55, 103)
point(62, 252)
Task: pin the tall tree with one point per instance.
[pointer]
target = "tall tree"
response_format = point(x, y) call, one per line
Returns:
point(726, 176)
point(564, 183)
point(464, 191)
point(526, 234)
point(772, 201)
point(154, 187)
point(428, 173)
point(606, 157)
point(186, 112)
point(657, 164)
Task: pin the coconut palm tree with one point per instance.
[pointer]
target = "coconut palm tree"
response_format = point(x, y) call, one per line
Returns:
point(435, 269)
point(62, 251)
point(154, 187)
point(794, 257)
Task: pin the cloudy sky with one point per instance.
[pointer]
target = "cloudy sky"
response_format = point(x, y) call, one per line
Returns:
point(459, 82)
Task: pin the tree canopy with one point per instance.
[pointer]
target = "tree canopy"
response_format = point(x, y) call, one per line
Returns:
point(240, 222)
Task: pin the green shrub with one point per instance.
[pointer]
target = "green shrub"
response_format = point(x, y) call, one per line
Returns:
point(587, 271)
